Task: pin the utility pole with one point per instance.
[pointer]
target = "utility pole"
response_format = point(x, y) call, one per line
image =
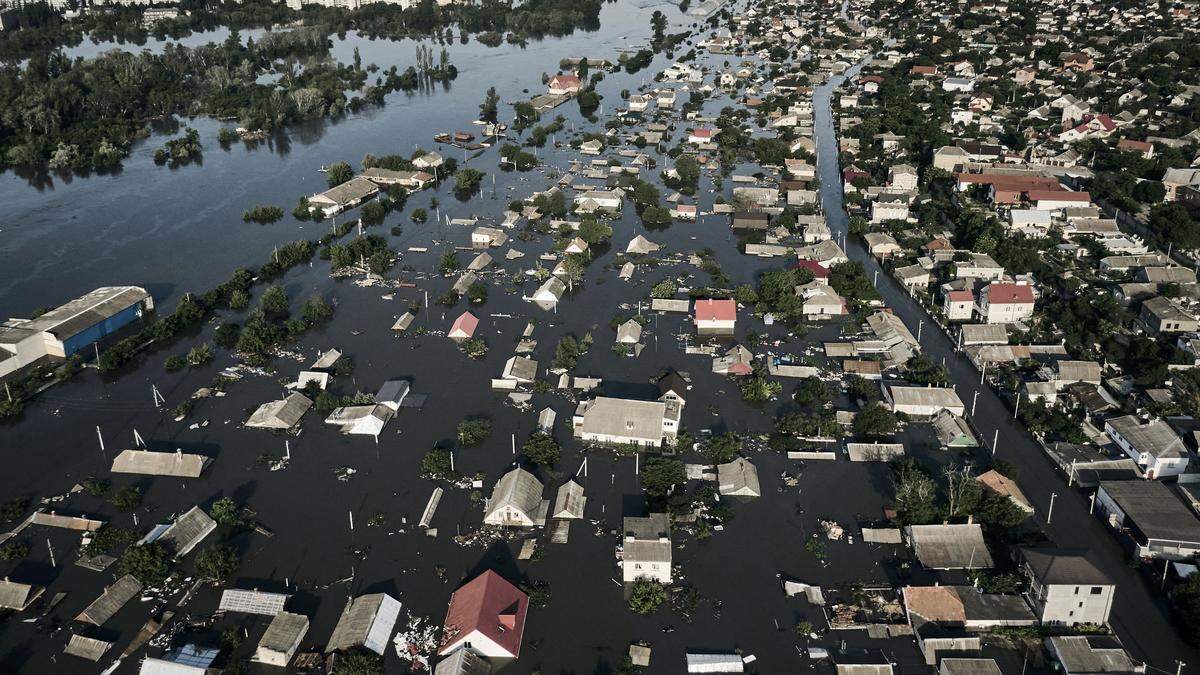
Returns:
point(1050, 511)
point(995, 440)
point(974, 401)
point(920, 324)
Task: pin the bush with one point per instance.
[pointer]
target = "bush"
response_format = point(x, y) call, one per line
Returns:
point(263, 215)
point(225, 511)
point(436, 465)
point(659, 475)
point(200, 355)
point(473, 432)
point(127, 498)
point(175, 363)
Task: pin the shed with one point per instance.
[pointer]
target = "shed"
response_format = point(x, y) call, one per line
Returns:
point(181, 536)
point(516, 501)
point(252, 601)
point(367, 622)
point(281, 640)
point(629, 332)
point(714, 663)
point(570, 501)
point(546, 419)
point(463, 327)
point(403, 322)
point(86, 647)
point(953, 431)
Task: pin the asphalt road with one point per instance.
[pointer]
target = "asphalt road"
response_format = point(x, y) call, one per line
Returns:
point(1141, 617)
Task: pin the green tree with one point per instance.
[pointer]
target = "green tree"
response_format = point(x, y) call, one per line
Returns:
point(721, 449)
point(542, 449)
point(148, 563)
point(436, 465)
point(338, 173)
point(490, 106)
point(1186, 600)
point(645, 596)
point(127, 498)
point(658, 21)
point(217, 564)
point(274, 303)
point(359, 662)
point(660, 475)
point(874, 421)
point(473, 432)
point(316, 310)
point(225, 511)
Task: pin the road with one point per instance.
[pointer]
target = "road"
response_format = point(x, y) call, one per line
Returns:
point(1141, 618)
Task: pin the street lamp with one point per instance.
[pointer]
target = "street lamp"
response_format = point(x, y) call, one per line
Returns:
point(1050, 511)
point(974, 401)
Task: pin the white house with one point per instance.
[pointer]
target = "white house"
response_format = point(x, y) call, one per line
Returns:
point(646, 549)
point(1153, 445)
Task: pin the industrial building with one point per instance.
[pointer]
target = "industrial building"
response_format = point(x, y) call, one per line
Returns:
point(71, 328)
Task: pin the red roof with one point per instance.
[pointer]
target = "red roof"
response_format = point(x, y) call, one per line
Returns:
point(960, 296)
point(813, 266)
point(1009, 294)
point(716, 310)
point(702, 133)
point(490, 605)
point(565, 81)
point(466, 323)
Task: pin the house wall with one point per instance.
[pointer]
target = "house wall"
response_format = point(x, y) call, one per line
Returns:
point(1007, 312)
point(1068, 605)
point(658, 571)
point(609, 439)
point(96, 331)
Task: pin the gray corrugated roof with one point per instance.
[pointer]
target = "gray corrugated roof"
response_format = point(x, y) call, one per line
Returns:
point(188, 530)
point(86, 647)
point(285, 630)
point(178, 463)
point(17, 596)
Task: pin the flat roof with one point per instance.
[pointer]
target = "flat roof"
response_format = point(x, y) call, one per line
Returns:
point(1154, 509)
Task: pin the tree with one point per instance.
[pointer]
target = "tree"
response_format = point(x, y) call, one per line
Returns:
point(473, 432)
point(216, 564)
point(419, 215)
point(127, 498)
point(588, 102)
point(658, 21)
point(664, 289)
point(963, 492)
point(316, 310)
point(1186, 599)
point(467, 179)
point(148, 563)
point(477, 293)
point(436, 465)
point(812, 391)
point(225, 511)
point(338, 173)
point(542, 449)
point(373, 213)
point(593, 231)
point(490, 106)
point(359, 662)
point(646, 595)
point(660, 475)
point(916, 493)
point(688, 170)
point(721, 449)
point(874, 421)
point(274, 303)
point(448, 263)
point(1000, 513)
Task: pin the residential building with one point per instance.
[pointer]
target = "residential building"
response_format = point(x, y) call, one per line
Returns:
point(715, 317)
point(367, 621)
point(1092, 655)
point(1005, 303)
point(738, 478)
point(281, 640)
point(646, 548)
point(922, 402)
point(516, 501)
point(1155, 446)
point(619, 421)
point(1065, 588)
point(487, 615)
point(1161, 314)
point(1154, 519)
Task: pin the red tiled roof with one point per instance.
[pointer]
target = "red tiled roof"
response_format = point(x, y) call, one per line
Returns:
point(813, 266)
point(716, 310)
point(1009, 294)
point(702, 133)
point(488, 604)
point(565, 80)
point(960, 296)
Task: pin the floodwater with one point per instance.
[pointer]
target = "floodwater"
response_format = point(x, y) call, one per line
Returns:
point(180, 230)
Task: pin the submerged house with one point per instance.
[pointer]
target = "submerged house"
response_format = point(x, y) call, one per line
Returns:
point(627, 421)
point(283, 414)
point(646, 548)
point(367, 621)
point(516, 501)
point(738, 478)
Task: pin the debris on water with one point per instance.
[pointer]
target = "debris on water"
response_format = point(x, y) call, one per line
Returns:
point(344, 473)
point(417, 642)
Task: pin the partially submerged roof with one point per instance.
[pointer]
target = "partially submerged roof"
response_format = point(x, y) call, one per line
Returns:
point(1154, 509)
point(738, 478)
point(1092, 654)
point(569, 501)
point(187, 531)
point(86, 647)
point(178, 464)
point(18, 596)
point(110, 601)
point(366, 621)
point(284, 632)
point(283, 414)
point(1062, 566)
point(252, 601)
